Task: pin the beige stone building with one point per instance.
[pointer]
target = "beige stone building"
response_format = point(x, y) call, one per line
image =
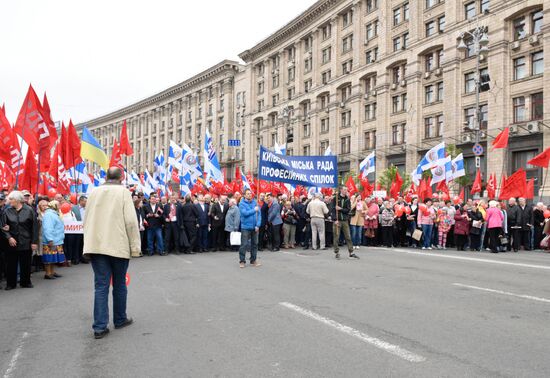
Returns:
point(366, 75)
point(181, 113)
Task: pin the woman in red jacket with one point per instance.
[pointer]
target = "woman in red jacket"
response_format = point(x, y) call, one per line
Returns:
point(462, 228)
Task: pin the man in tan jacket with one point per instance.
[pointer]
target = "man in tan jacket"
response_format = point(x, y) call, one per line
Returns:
point(317, 210)
point(111, 237)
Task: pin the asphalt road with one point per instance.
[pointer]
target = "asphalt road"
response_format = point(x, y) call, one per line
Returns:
point(393, 313)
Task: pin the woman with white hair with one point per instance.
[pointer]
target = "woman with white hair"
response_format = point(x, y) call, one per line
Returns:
point(53, 236)
point(20, 228)
point(495, 219)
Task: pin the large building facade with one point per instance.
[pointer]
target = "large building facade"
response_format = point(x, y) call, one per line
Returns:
point(368, 75)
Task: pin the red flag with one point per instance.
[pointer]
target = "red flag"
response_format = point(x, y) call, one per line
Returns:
point(251, 182)
point(502, 184)
point(396, 185)
point(541, 160)
point(530, 189)
point(29, 180)
point(350, 184)
point(125, 147)
point(476, 186)
point(265, 187)
point(72, 147)
point(327, 191)
point(6, 138)
point(48, 120)
point(492, 186)
point(367, 188)
point(501, 140)
point(461, 195)
point(60, 177)
point(429, 192)
point(238, 182)
point(116, 159)
point(442, 187)
point(515, 185)
point(3, 108)
point(31, 123)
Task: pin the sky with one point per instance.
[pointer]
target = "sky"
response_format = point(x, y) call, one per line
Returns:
point(95, 57)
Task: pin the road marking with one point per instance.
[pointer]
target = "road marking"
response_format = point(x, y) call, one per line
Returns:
point(184, 260)
point(545, 267)
point(13, 362)
point(538, 299)
point(380, 344)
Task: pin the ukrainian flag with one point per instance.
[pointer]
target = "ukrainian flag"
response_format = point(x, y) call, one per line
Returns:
point(91, 150)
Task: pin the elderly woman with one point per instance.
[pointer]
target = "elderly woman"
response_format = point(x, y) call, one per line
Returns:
point(387, 220)
point(233, 219)
point(20, 228)
point(371, 214)
point(53, 235)
point(357, 220)
point(495, 220)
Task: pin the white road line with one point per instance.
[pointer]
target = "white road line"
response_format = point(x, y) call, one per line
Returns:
point(538, 299)
point(380, 344)
point(184, 260)
point(545, 267)
point(13, 362)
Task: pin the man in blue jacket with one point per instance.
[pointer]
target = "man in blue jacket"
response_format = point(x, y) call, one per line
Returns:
point(250, 224)
point(275, 222)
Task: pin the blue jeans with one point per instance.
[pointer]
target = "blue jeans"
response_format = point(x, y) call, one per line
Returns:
point(248, 237)
point(106, 267)
point(427, 235)
point(154, 233)
point(356, 234)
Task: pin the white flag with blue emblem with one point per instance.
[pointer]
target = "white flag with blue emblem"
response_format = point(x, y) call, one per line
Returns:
point(368, 165)
point(211, 163)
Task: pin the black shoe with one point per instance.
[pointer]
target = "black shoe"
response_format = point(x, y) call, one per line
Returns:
point(353, 256)
point(27, 286)
point(84, 261)
point(163, 253)
point(102, 334)
point(337, 256)
point(57, 275)
point(9, 288)
point(49, 277)
point(126, 323)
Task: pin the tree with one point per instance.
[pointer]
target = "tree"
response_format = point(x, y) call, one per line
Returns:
point(388, 175)
point(454, 151)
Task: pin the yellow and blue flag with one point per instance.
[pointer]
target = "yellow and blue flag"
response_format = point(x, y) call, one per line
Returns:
point(90, 149)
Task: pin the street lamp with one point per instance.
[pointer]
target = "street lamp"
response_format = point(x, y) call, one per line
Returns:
point(480, 40)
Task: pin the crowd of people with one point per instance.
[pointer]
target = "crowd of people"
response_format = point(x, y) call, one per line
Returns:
point(203, 223)
point(33, 236)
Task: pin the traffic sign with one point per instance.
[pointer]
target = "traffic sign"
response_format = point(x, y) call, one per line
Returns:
point(234, 142)
point(478, 162)
point(477, 149)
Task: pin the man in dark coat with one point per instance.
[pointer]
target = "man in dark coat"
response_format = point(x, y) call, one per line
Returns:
point(300, 209)
point(153, 215)
point(203, 221)
point(187, 220)
point(171, 229)
point(264, 208)
point(526, 223)
point(218, 210)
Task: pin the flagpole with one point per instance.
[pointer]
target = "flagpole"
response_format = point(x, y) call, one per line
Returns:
point(38, 182)
point(20, 154)
point(543, 185)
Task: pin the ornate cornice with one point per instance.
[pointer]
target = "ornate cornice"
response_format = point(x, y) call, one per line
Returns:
point(298, 24)
point(183, 88)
